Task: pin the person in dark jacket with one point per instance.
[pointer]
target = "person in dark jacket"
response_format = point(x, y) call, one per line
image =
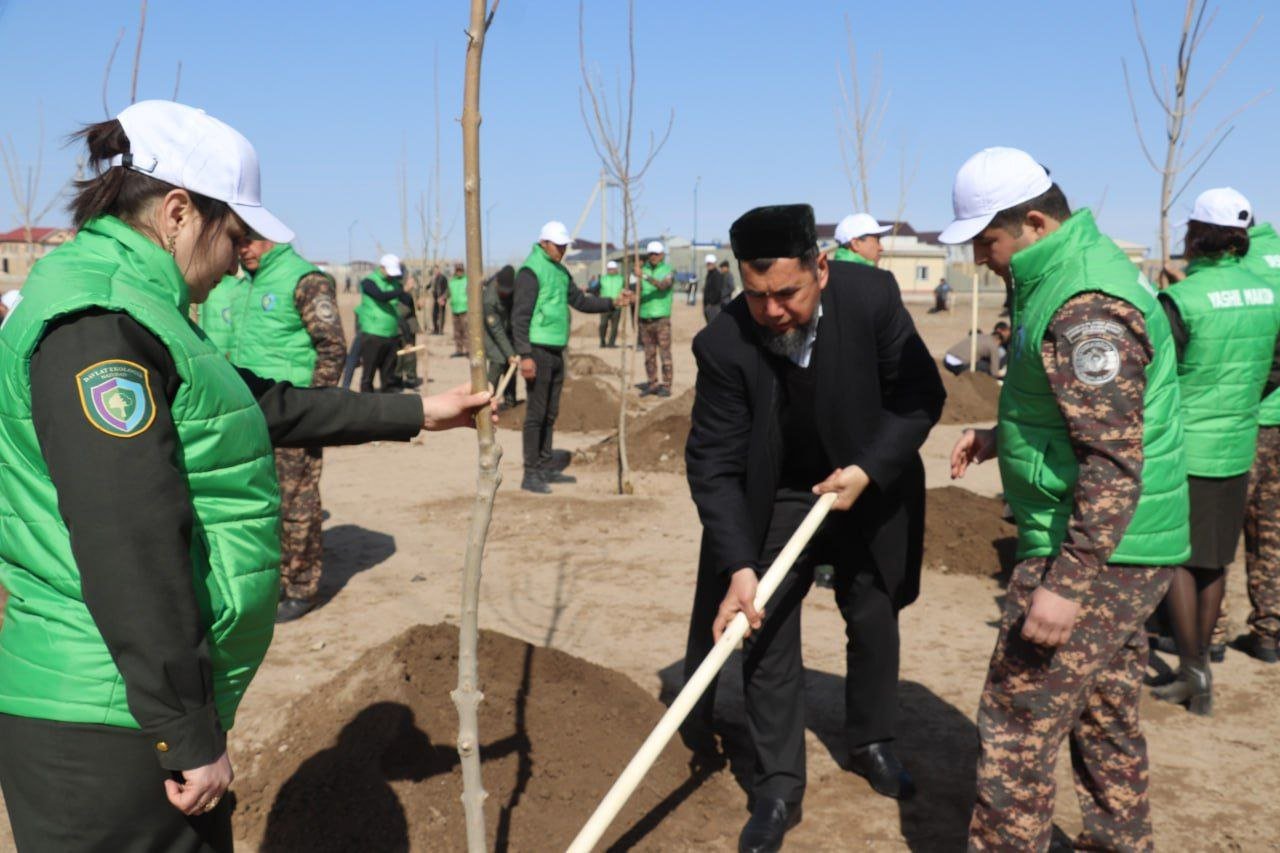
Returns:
point(499, 351)
point(713, 295)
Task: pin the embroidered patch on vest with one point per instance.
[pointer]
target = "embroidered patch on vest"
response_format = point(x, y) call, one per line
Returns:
point(269, 302)
point(1096, 361)
point(325, 310)
point(116, 398)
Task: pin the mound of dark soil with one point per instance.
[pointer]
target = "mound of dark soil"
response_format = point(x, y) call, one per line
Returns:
point(971, 398)
point(369, 761)
point(655, 439)
point(587, 404)
point(964, 533)
point(587, 364)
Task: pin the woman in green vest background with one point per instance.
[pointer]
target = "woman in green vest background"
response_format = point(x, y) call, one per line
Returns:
point(139, 509)
point(379, 324)
point(458, 308)
point(1225, 321)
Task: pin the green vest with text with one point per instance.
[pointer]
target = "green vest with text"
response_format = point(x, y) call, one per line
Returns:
point(54, 663)
point(1037, 463)
point(458, 295)
point(611, 285)
point(378, 318)
point(1263, 261)
point(217, 314)
point(843, 253)
point(270, 338)
point(1231, 317)
point(654, 303)
point(549, 326)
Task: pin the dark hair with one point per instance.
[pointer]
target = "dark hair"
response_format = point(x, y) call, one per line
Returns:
point(124, 193)
point(809, 260)
point(1213, 241)
point(505, 283)
point(724, 263)
point(1002, 326)
point(1051, 202)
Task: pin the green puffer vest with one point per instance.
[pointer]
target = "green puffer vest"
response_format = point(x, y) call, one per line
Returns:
point(1037, 464)
point(1231, 317)
point(271, 340)
point(54, 664)
point(610, 285)
point(1263, 261)
point(849, 255)
point(549, 326)
point(217, 314)
point(654, 303)
point(378, 318)
point(458, 295)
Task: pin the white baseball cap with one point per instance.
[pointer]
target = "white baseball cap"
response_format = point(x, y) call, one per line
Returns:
point(710, 259)
point(990, 181)
point(188, 148)
point(612, 265)
point(655, 248)
point(555, 232)
point(1222, 206)
point(390, 264)
point(858, 225)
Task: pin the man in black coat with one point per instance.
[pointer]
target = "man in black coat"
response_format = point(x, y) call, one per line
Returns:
point(814, 380)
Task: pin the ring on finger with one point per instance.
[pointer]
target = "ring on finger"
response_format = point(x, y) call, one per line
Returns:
point(211, 805)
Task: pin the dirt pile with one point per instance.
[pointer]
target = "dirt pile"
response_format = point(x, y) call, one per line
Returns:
point(587, 364)
point(965, 534)
point(369, 761)
point(587, 404)
point(971, 397)
point(655, 439)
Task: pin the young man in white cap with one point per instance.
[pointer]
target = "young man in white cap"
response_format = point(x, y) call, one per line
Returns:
point(544, 293)
point(656, 280)
point(858, 239)
point(610, 287)
point(1091, 456)
point(379, 323)
point(713, 295)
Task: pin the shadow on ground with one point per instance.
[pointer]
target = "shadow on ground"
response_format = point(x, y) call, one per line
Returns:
point(350, 549)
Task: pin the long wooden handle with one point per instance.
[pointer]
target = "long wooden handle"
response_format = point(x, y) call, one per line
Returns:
point(414, 348)
point(506, 378)
point(649, 751)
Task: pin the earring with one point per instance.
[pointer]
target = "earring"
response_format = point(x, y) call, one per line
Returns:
point(173, 243)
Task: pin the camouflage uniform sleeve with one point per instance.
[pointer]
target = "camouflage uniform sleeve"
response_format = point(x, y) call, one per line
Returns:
point(317, 302)
point(1095, 352)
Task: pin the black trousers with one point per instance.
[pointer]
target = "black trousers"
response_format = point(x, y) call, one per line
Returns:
point(542, 406)
point(74, 787)
point(773, 668)
point(609, 327)
point(378, 355)
point(437, 317)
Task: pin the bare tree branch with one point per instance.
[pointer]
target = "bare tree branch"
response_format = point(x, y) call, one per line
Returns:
point(177, 80)
point(137, 54)
point(106, 73)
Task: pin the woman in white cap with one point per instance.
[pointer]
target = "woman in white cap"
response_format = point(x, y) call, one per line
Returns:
point(1224, 320)
point(139, 511)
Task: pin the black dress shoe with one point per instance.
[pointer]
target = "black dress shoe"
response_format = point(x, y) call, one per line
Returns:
point(876, 763)
point(769, 822)
point(293, 608)
point(558, 461)
point(558, 478)
point(1265, 649)
point(535, 482)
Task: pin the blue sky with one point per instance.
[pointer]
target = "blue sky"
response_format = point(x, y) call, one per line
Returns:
point(331, 93)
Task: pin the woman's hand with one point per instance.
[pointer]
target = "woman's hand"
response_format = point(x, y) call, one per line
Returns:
point(200, 788)
point(973, 447)
point(455, 408)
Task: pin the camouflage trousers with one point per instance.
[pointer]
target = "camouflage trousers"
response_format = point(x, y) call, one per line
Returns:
point(300, 547)
point(655, 337)
point(460, 332)
point(1262, 535)
point(1085, 692)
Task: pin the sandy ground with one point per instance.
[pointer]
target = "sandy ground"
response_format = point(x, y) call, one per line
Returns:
point(610, 579)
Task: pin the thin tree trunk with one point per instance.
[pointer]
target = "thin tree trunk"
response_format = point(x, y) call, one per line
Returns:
point(467, 696)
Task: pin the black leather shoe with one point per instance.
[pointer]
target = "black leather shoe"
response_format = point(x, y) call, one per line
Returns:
point(769, 822)
point(1265, 649)
point(876, 763)
point(558, 478)
point(293, 608)
point(560, 459)
point(535, 482)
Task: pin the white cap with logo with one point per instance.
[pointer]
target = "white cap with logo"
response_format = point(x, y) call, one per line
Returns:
point(990, 181)
point(858, 225)
point(1222, 206)
point(710, 259)
point(555, 232)
point(390, 265)
point(188, 148)
point(611, 265)
point(655, 247)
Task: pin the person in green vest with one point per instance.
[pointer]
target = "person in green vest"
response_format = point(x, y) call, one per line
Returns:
point(140, 544)
point(610, 287)
point(287, 329)
point(217, 314)
point(858, 239)
point(1092, 459)
point(499, 351)
point(544, 293)
point(380, 292)
point(1225, 320)
point(458, 308)
point(656, 280)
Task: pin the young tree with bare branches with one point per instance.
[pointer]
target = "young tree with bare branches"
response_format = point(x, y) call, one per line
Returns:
point(1180, 110)
point(24, 185)
point(859, 118)
point(611, 129)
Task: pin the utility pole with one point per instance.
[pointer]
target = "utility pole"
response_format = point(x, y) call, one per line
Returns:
point(350, 227)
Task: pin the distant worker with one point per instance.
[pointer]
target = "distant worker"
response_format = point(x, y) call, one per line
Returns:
point(217, 315)
point(499, 350)
point(1224, 320)
point(610, 287)
point(286, 329)
point(992, 352)
point(458, 308)
point(380, 291)
point(728, 286)
point(408, 328)
point(656, 281)
point(540, 325)
point(858, 239)
point(436, 295)
point(941, 297)
point(713, 295)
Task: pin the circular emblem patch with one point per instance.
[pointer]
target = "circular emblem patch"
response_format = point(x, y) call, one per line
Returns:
point(268, 302)
point(116, 398)
point(226, 315)
point(325, 310)
point(1096, 361)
